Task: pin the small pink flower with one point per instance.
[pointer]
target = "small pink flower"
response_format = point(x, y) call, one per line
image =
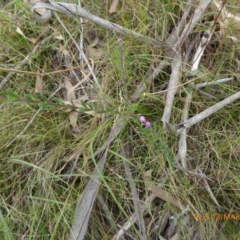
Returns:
point(142, 119)
point(148, 124)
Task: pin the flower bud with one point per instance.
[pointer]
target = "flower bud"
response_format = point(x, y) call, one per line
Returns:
point(148, 124)
point(142, 119)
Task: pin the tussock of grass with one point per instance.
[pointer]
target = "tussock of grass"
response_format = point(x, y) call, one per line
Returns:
point(44, 169)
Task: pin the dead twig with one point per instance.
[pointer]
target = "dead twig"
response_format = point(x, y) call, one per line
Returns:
point(194, 173)
point(174, 36)
point(176, 63)
point(171, 40)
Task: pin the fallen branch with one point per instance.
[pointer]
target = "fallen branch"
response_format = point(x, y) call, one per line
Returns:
point(171, 40)
point(174, 36)
point(206, 113)
point(202, 85)
point(75, 10)
point(182, 145)
point(176, 62)
point(198, 13)
point(172, 89)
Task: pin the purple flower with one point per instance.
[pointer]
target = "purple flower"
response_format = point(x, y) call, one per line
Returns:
point(142, 119)
point(148, 124)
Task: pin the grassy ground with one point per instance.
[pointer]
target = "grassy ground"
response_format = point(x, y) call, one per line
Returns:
point(46, 161)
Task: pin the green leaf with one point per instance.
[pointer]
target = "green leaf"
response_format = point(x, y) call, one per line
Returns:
point(58, 101)
point(82, 109)
point(45, 105)
point(84, 104)
point(43, 97)
point(11, 96)
point(30, 97)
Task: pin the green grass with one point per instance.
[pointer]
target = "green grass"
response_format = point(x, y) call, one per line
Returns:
point(40, 182)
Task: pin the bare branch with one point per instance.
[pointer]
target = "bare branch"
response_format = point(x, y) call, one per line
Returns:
point(173, 38)
point(198, 13)
point(202, 85)
point(75, 10)
point(176, 63)
point(206, 113)
point(182, 146)
point(172, 89)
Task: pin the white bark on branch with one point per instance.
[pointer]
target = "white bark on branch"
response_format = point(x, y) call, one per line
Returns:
point(176, 62)
point(198, 13)
point(206, 113)
point(75, 10)
point(202, 85)
point(182, 146)
point(172, 89)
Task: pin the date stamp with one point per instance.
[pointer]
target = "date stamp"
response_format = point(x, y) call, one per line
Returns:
point(217, 216)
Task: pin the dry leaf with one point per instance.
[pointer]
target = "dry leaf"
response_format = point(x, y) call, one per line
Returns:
point(95, 53)
point(94, 43)
point(163, 194)
point(32, 40)
point(39, 82)
point(18, 30)
point(59, 37)
point(78, 104)
point(113, 7)
point(70, 94)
